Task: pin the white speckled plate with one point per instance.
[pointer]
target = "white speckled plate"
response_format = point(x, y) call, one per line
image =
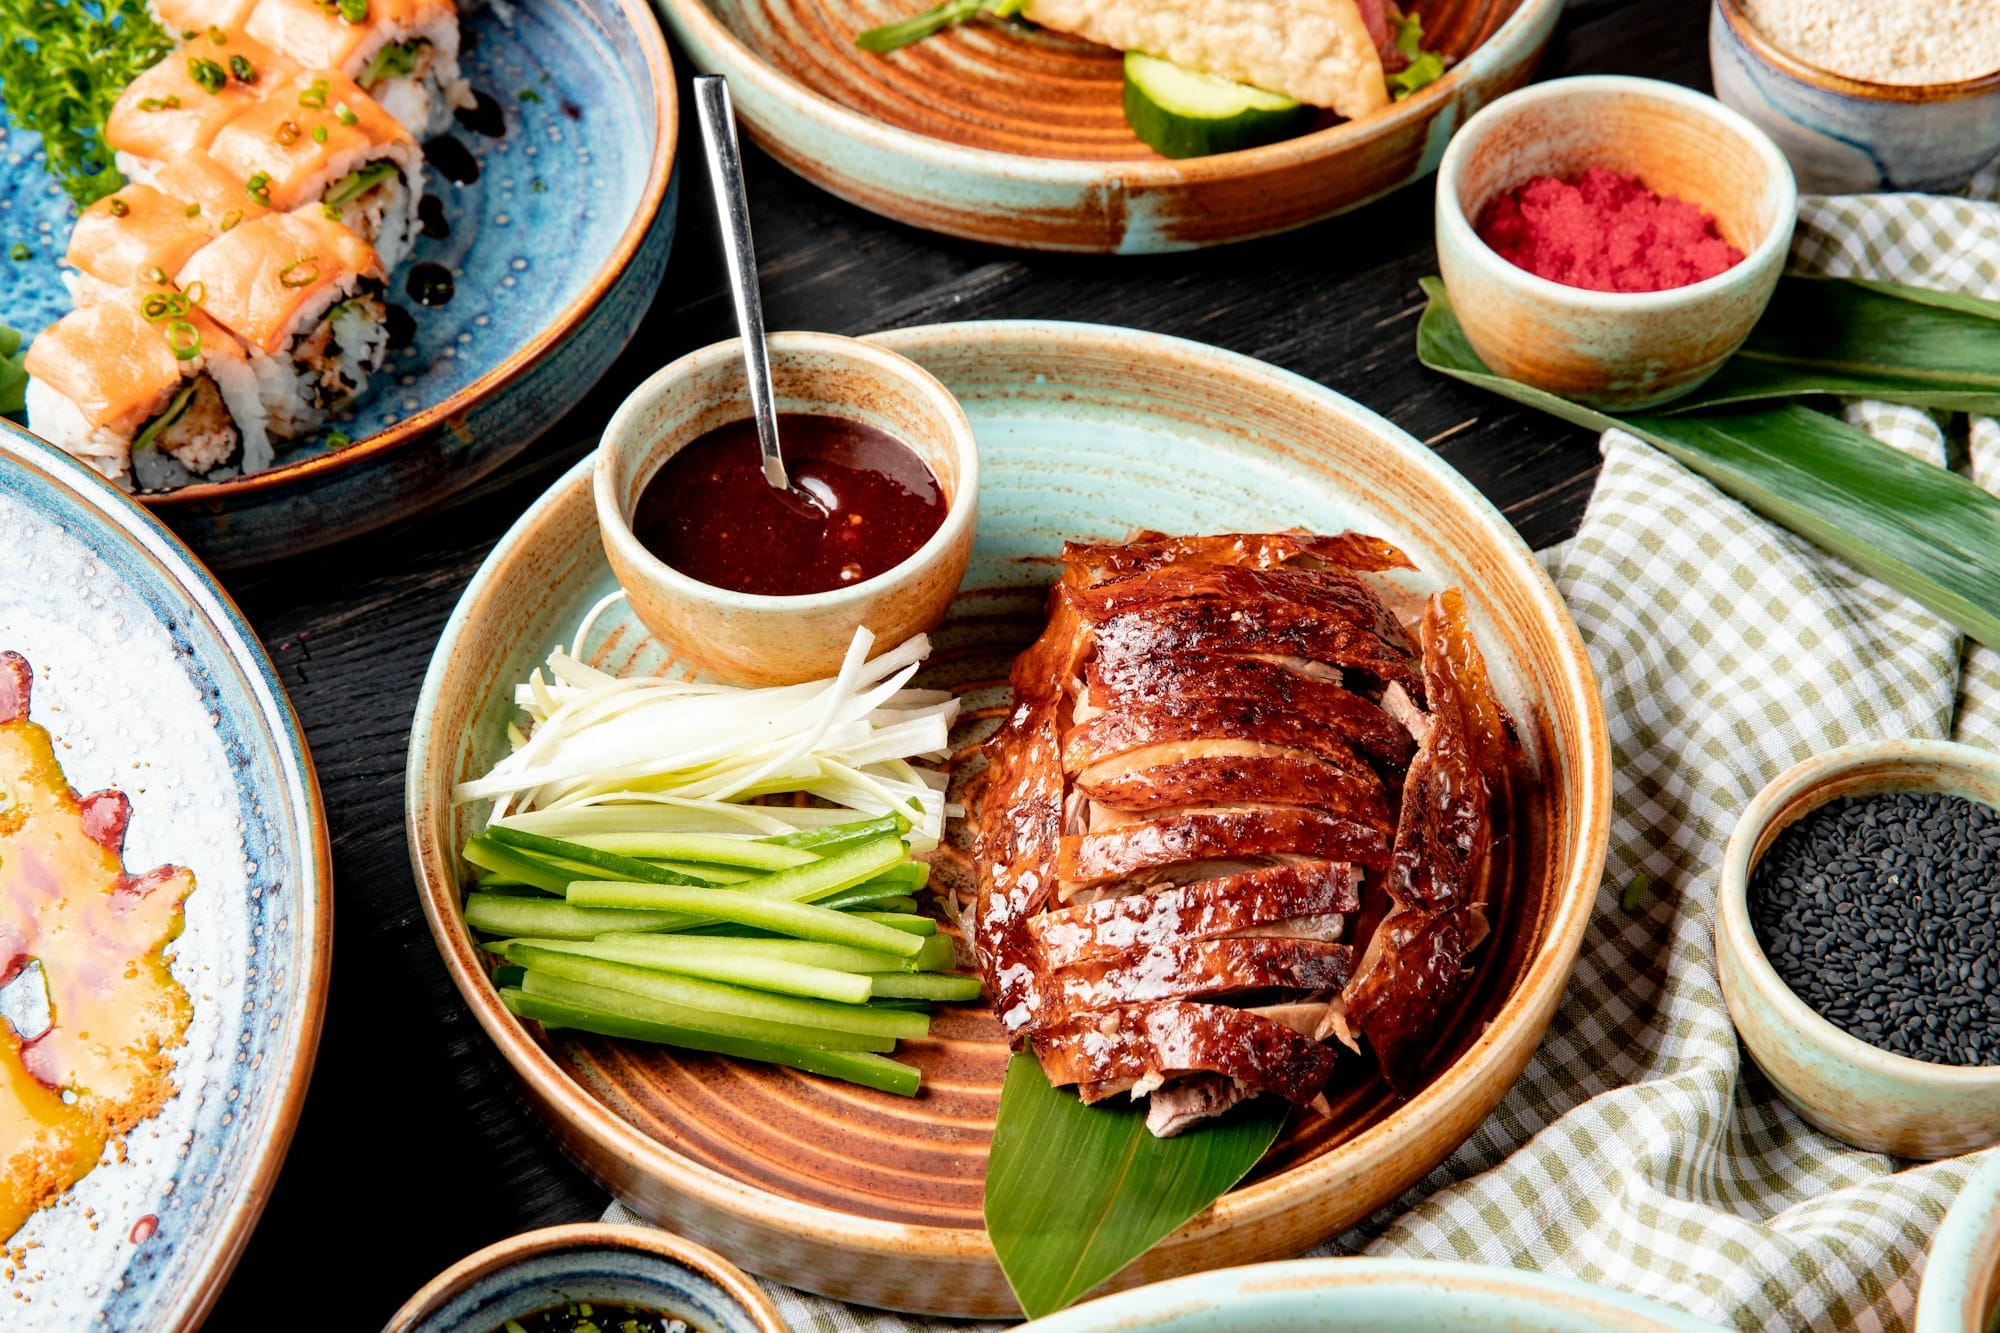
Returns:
point(150, 682)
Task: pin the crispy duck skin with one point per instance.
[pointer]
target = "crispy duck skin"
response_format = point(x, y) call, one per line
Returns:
point(1230, 780)
point(1089, 564)
point(1198, 969)
point(1326, 592)
point(1212, 908)
point(1270, 777)
point(1203, 835)
point(1413, 968)
point(1363, 725)
point(1130, 726)
point(1169, 629)
point(1182, 1036)
point(1411, 972)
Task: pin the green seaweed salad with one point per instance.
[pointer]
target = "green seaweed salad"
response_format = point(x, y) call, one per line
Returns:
point(62, 65)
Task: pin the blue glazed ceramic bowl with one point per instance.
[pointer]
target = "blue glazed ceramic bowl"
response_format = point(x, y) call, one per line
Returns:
point(556, 250)
point(1872, 1098)
point(595, 1262)
point(1961, 1287)
point(1384, 1295)
point(149, 681)
point(1618, 351)
point(1849, 136)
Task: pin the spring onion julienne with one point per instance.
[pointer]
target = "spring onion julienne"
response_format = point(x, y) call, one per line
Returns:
point(607, 757)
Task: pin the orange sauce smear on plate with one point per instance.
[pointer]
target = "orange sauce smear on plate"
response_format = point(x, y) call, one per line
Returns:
point(104, 1062)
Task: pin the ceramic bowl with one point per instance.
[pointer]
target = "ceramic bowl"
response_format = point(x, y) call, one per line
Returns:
point(557, 250)
point(746, 639)
point(1849, 136)
point(591, 1261)
point(1613, 350)
point(1085, 432)
point(1869, 1097)
point(1961, 1285)
point(1381, 1295)
point(1017, 136)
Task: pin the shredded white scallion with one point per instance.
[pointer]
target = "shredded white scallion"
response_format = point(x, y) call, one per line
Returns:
point(604, 754)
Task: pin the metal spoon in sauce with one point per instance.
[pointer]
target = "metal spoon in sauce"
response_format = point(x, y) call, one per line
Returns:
point(732, 211)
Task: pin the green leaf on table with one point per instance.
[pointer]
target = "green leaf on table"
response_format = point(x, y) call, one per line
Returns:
point(1932, 350)
point(1075, 1192)
point(1923, 530)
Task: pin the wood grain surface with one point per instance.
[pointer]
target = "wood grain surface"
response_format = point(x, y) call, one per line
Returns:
point(412, 1151)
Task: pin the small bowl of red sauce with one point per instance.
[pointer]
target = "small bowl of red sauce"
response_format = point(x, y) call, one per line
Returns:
point(1609, 239)
point(755, 586)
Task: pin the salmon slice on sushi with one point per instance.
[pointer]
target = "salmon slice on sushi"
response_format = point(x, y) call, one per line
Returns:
point(141, 234)
point(179, 105)
point(317, 139)
point(188, 17)
point(305, 296)
point(148, 391)
point(209, 195)
point(403, 52)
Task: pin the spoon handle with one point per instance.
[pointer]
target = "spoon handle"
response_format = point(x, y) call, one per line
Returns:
point(732, 211)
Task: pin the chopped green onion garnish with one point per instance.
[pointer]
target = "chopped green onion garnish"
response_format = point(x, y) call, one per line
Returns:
point(244, 71)
point(193, 210)
point(168, 103)
point(300, 272)
point(258, 187)
point(18, 251)
point(217, 35)
point(185, 340)
point(231, 218)
point(315, 94)
point(336, 439)
point(119, 208)
point(343, 115)
point(208, 74)
point(156, 274)
point(354, 11)
point(319, 134)
point(530, 95)
point(288, 132)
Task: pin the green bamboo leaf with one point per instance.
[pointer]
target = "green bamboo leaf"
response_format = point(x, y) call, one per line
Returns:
point(1923, 530)
point(1075, 1192)
point(1929, 349)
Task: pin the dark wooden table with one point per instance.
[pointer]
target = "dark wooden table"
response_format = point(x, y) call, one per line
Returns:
point(413, 1150)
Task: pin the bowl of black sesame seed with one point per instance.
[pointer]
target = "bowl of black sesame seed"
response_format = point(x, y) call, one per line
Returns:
point(1857, 938)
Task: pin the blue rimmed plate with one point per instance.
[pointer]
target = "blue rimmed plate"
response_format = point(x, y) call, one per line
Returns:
point(151, 682)
point(555, 250)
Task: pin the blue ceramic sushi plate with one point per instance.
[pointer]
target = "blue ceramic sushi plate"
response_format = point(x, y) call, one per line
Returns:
point(556, 250)
point(148, 680)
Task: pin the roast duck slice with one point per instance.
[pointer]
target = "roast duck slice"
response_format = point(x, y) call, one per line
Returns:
point(1219, 748)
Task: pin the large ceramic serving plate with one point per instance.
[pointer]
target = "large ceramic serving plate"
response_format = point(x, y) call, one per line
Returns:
point(1084, 432)
point(1382, 1295)
point(1018, 136)
point(151, 682)
point(556, 251)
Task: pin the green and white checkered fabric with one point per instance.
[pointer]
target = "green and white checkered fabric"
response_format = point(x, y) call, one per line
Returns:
point(1640, 1150)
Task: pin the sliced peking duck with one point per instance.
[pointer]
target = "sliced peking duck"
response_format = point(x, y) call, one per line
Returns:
point(1219, 748)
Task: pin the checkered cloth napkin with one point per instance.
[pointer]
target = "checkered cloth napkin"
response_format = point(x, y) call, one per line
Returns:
point(1640, 1150)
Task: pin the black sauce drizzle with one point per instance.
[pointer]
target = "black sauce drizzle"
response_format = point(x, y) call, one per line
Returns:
point(453, 160)
point(483, 117)
point(430, 284)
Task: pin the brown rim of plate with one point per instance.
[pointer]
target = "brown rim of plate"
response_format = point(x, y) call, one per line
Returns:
point(1132, 173)
point(666, 113)
point(527, 1245)
point(1784, 61)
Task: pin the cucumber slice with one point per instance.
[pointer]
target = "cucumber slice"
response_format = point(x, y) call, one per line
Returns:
point(1182, 112)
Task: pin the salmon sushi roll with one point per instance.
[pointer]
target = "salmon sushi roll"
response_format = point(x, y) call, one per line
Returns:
point(404, 53)
point(305, 297)
point(179, 105)
point(317, 139)
point(207, 194)
point(148, 391)
point(141, 234)
point(187, 17)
